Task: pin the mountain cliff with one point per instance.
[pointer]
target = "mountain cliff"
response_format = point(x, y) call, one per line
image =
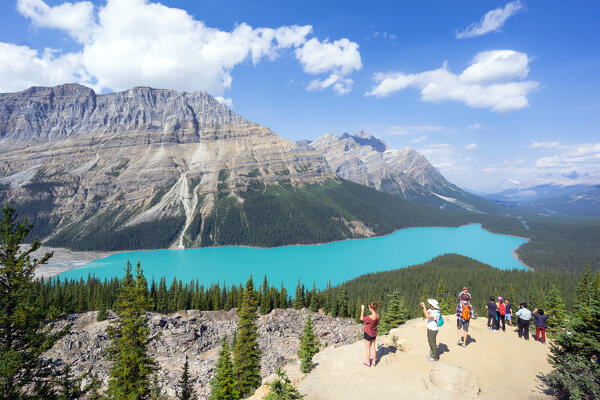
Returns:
point(367, 160)
point(151, 168)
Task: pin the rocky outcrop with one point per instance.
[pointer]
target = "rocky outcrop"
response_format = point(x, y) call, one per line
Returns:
point(197, 335)
point(367, 160)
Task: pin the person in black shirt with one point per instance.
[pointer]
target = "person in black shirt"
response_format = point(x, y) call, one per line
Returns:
point(492, 308)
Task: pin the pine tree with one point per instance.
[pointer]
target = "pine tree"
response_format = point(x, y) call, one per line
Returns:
point(446, 307)
point(299, 297)
point(223, 384)
point(395, 313)
point(314, 300)
point(342, 303)
point(131, 365)
point(425, 295)
point(72, 387)
point(283, 297)
point(575, 352)
point(246, 354)
point(155, 390)
point(102, 314)
point(282, 389)
point(186, 383)
point(23, 337)
point(309, 346)
point(265, 301)
point(555, 308)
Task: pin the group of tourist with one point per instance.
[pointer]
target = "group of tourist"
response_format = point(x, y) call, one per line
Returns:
point(500, 313)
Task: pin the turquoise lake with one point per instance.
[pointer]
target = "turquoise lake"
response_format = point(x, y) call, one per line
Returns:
point(335, 262)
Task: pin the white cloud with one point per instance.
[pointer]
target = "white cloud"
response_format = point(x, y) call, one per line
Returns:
point(475, 127)
point(74, 18)
point(141, 43)
point(471, 146)
point(22, 67)
point(487, 83)
point(546, 145)
point(585, 155)
point(225, 100)
point(410, 129)
point(338, 58)
point(419, 139)
point(492, 21)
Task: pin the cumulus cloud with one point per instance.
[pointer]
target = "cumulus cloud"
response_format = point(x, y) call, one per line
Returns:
point(338, 58)
point(74, 18)
point(471, 146)
point(126, 43)
point(22, 67)
point(491, 81)
point(492, 21)
point(475, 127)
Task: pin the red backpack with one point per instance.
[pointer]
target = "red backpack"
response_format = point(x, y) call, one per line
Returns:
point(502, 309)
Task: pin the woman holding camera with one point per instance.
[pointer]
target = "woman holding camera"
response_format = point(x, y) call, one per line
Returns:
point(370, 332)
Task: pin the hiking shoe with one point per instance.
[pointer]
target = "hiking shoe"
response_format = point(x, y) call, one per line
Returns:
point(429, 358)
point(463, 344)
point(459, 341)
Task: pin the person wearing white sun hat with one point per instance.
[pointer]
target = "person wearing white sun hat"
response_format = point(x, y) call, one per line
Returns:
point(433, 316)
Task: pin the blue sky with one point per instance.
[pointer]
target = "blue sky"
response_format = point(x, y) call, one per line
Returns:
point(490, 92)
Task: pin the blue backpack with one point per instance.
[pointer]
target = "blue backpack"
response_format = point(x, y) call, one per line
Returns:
point(441, 320)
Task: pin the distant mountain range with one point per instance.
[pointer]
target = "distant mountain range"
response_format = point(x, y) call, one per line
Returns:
point(569, 198)
point(151, 168)
point(367, 160)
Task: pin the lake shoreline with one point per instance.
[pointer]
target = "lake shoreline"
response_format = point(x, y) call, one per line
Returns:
point(66, 259)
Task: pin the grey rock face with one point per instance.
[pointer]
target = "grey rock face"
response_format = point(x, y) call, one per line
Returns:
point(367, 160)
point(81, 160)
point(197, 335)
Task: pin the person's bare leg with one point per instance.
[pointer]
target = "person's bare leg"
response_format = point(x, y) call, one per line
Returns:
point(373, 352)
point(368, 351)
point(465, 334)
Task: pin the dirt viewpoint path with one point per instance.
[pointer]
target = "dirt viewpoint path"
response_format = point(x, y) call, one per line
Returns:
point(504, 366)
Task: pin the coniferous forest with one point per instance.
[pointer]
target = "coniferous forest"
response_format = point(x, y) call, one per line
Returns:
point(27, 306)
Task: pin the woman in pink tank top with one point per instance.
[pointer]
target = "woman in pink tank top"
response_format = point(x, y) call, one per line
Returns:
point(370, 332)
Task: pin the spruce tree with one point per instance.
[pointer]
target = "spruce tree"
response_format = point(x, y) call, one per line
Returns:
point(396, 313)
point(283, 297)
point(129, 335)
point(309, 346)
point(282, 389)
point(23, 337)
point(299, 297)
point(555, 308)
point(265, 301)
point(576, 350)
point(156, 390)
point(246, 353)
point(186, 383)
point(223, 384)
point(72, 387)
point(342, 303)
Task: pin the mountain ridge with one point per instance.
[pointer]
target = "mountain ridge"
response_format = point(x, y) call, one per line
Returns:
point(155, 168)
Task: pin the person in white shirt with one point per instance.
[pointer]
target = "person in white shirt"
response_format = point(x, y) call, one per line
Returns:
point(523, 319)
point(433, 316)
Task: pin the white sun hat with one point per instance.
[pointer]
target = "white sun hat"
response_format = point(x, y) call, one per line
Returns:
point(434, 303)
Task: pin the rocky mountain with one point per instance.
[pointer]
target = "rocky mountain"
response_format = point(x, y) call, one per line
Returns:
point(150, 168)
point(197, 335)
point(367, 160)
point(577, 199)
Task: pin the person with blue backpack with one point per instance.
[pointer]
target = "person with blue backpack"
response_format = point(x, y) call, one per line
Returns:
point(464, 313)
point(434, 321)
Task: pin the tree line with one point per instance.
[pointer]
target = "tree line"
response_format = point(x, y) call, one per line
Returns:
point(24, 321)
